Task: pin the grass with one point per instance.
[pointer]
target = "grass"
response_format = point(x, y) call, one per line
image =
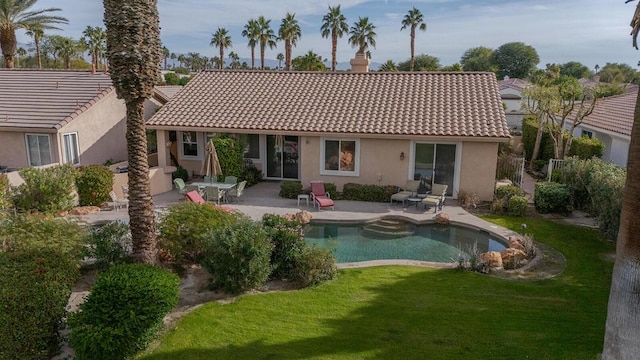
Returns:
point(396, 312)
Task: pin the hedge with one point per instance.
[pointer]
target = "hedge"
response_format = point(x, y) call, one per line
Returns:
point(94, 184)
point(582, 147)
point(552, 197)
point(364, 192)
point(46, 190)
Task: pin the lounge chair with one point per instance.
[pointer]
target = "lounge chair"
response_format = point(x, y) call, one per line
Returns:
point(237, 191)
point(212, 193)
point(319, 196)
point(118, 203)
point(195, 197)
point(180, 186)
point(404, 193)
point(437, 197)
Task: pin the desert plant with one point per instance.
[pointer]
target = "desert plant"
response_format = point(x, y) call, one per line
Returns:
point(123, 312)
point(94, 184)
point(529, 247)
point(468, 199)
point(290, 189)
point(517, 206)
point(314, 265)
point(46, 190)
point(109, 244)
point(287, 241)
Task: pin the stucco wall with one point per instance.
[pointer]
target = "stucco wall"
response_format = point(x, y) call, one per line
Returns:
point(13, 149)
point(160, 181)
point(478, 169)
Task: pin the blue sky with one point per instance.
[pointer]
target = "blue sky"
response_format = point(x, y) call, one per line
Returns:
point(590, 31)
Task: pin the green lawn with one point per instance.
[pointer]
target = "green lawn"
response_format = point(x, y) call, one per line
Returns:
point(397, 312)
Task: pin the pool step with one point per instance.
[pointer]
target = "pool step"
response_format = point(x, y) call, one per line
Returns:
point(388, 229)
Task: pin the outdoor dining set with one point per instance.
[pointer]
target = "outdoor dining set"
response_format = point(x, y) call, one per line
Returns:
point(213, 191)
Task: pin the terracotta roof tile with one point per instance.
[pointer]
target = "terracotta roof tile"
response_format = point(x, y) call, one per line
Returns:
point(421, 104)
point(513, 83)
point(614, 113)
point(48, 99)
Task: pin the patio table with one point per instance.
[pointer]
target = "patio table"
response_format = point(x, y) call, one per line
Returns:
point(223, 187)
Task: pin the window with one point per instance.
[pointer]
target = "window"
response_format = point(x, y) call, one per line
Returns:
point(189, 144)
point(587, 134)
point(340, 157)
point(71, 152)
point(252, 145)
point(38, 149)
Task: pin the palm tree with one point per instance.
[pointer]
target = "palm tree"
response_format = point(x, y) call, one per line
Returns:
point(266, 37)
point(280, 58)
point(20, 53)
point(334, 24)
point(130, 46)
point(165, 55)
point(94, 39)
point(36, 33)
point(181, 60)
point(222, 40)
point(309, 62)
point(290, 33)
point(251, 32)
point(388, 66)
point(623, 318)
point(173, 58)
point(413, 20)
point(16, 14)
point(362, 35)
point(66, 48)
point(235, 60)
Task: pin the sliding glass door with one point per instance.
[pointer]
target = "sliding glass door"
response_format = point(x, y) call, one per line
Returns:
point(435, 164)
point(282, 157)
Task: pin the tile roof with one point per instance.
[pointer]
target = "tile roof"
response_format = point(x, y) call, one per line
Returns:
point(167, 92)
point(614, 113)
point(385, 103)
point(48, 99)
point(513, 83)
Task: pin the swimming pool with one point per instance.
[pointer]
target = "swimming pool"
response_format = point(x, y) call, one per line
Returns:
point(387, 239)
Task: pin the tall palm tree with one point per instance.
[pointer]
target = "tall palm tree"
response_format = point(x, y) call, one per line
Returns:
point(173, 58)
point(138, 48)
point(362, 35)
point(413, 20)
point(181, 60)
point(222, 40)
point(623, 315)
point(388, 66)
point(251, 32)
point(334, 24)
point(289, 32)
point(266, 37)
point(66, 48)
point(16, 14)
point(36, 33)
point(94, 39)
point(280, 58)
point(20, 53)
point(165, 55)
point(235, 60)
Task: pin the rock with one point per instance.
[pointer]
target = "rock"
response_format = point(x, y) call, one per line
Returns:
point(84, 210)
point(61, 213)
point(303, 217)
point(512, 256)
point(514, 238)
point(514, 244)
point(491, 258)
point(442, 218)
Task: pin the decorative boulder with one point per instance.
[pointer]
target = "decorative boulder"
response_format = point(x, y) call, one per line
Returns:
point(491, 258)
point(514, 244)
point(84, 210)
point(303, 217)
point(442, 218)
point(512, 256)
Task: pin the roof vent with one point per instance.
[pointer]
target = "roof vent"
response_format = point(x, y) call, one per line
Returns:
point(57, 85)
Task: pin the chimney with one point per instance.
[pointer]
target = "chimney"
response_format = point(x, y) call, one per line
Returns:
point(360, 63)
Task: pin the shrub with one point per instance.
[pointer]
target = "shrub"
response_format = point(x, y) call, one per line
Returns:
point(499, 206)
point(314, 265)
point(4, 192)
point(506, 192)
point(181, 173)
point(171, 79)
point(529, 133)
point(552, 197)
point(94, 184)
point(230, 153)
point(22, 233)
point(46, 190)
point(517, 205)
point(332, 189)
point(123, 311)
point(251, 174)
point(238, 257)
point(290, 189)
point(287, 241)
point(183, 230)
point(109, 244)
point(586, 148)
point(468, 200)
point(374, 193)
point(529, 247)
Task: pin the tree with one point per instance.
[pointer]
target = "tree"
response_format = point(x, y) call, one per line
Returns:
point(280, 58)
point(453, 67)
point(135, 55)
point(289, 32)
point(388, 66)
point(222, 40)
point(478, 59)
point(20, 53)
point(515, 59)
point(266, 37)
point(362, 35)
point(619, 73)
point(251, 32)
point(65, 48)
point(36, 33)
point(165, 55)
point(16, 14)
point(413, 20)
point(173, 58)
point(235, 60)
point(94, 38)
point(623, 314)
point(308, 62)
point(422, 62)
point(334, 24)
point(575, 69)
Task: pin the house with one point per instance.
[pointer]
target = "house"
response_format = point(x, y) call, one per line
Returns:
point(346, 127)
point(511, 94)
point(611, 122)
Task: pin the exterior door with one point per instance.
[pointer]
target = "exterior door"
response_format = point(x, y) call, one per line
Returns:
point(435, 164)
point(283, 157)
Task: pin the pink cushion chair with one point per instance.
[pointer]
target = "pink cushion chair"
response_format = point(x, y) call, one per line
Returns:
point(319, 196)
point(195, 197)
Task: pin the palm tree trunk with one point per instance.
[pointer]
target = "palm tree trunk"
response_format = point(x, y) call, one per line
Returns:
point(287, 50)
point(623, 315)
point(221, 65)
point(9, 42)
point(253, 57)
point(334, 49)
point(413, 47)
point(36, 40)
point(141, 215)
point(262, 57)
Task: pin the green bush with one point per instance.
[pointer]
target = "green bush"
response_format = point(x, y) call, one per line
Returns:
point(5, 200)
point(314, 265)
point(517, 205)
point(529, 133)
point(287, 241)
point(181, 173)
point(183, 230)
point(46, 190)
point(290, 189)
point(506, 192)
point(123, 311)
point(20, 233)
point(171, 78)
point(94, 184)
point(231, 155)
point(251, 174)
point(332, 189)
point(238, 257)
point(374, 193)
point(109, 245)
point(586, 148)
point(552, 197)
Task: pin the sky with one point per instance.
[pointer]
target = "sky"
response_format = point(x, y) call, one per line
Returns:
point(589, 31)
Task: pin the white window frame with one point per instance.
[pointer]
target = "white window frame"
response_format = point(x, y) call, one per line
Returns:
point(198, 143)
point(74, 136)
point(26, 139)
point(356, 158)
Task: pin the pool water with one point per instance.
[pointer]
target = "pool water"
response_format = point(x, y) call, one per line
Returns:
point(397, 239)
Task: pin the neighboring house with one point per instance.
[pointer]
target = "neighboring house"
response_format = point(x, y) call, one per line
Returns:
point(611, 122)
point(348, 127)
point(511, 94)
point(59, 116)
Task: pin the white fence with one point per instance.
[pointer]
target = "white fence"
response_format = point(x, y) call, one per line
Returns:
point(510, 168)
point(554, 164)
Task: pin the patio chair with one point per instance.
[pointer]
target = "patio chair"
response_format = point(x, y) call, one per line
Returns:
point(118, 203)
point(208, 179)
point(319, 196)
point(195, 197)
point(180, 186)
point(437, 197)
point(125, 191)
point(231, 180)
point(237, 192)
point(404, 193)
point(212, 193)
